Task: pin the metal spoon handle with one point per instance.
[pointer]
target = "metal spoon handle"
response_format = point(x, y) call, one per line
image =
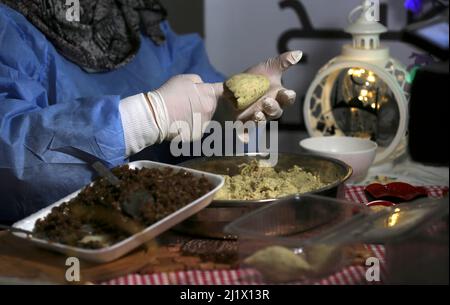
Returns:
point(103, 171)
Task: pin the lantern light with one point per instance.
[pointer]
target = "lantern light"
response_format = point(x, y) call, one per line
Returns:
point(363, 92)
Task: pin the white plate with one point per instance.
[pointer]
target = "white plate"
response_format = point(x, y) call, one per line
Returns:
point(121, 248)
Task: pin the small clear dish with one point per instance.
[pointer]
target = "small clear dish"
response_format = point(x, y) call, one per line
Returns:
point(283, 239)
point(305, 238)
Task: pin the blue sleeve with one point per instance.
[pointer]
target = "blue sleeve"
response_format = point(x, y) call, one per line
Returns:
point(46, 146)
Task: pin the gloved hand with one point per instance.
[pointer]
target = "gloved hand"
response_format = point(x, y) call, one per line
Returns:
point(180, 101)
point(271, 105)
point(185, 97)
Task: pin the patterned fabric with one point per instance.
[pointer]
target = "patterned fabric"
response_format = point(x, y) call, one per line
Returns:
point(106, 37)
point(351, 275)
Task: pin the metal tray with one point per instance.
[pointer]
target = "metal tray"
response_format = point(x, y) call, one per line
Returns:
point(211, 221)
point(121, 248)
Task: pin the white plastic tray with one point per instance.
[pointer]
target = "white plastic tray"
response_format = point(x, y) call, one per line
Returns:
point(119, 249)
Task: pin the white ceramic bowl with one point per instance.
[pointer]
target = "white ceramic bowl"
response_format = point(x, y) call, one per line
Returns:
point(356, 152)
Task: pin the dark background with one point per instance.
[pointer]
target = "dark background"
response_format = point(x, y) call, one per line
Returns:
point(185, 16)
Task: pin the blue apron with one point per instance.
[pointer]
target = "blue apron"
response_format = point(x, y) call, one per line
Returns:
point(55, 118)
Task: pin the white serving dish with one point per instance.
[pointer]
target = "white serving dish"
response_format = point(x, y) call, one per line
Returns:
point(121, 248)
point(356, 152)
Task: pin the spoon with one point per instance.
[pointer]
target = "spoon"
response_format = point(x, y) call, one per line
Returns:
point(103, 171)
point(132, 205)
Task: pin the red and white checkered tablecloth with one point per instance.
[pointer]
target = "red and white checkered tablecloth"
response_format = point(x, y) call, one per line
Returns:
point(348, 276)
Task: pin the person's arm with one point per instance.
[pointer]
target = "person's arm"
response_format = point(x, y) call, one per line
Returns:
point(45, 150)
point(46, 146)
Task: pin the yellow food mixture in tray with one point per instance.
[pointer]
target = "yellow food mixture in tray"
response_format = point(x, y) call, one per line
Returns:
point(258, 182)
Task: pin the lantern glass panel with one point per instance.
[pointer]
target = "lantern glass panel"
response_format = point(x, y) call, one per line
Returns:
point(364, 106)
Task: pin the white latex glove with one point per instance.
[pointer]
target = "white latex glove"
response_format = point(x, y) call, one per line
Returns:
point(271, 105)
point(181, 100)
point(153, 117)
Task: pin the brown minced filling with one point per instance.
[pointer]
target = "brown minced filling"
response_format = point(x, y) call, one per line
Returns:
point(103, 214)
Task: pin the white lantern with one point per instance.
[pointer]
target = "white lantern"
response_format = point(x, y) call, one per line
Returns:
point(363, 92)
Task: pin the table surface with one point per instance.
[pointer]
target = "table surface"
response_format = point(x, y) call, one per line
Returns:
point(350, 275)
point(160, 261)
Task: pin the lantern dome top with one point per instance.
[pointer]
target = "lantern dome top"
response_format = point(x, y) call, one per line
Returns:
point(365, 29)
